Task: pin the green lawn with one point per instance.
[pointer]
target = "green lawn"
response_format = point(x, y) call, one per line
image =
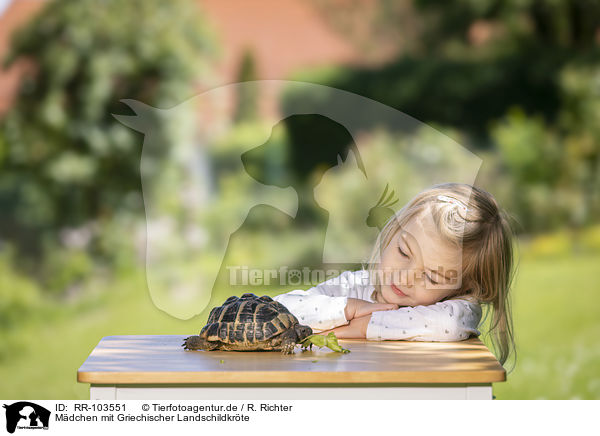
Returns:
point(557, 327)
point(557, 330)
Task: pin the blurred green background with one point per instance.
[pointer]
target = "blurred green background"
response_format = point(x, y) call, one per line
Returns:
point(516, 82)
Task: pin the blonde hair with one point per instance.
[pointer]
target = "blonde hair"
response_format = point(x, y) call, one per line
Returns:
point(485, 235)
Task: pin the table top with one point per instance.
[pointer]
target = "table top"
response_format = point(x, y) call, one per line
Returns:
point(162, 360)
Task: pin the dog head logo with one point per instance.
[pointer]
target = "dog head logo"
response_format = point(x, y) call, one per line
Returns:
point(26, 415)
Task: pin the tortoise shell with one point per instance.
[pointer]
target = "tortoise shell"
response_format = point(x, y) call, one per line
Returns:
point(247, 320)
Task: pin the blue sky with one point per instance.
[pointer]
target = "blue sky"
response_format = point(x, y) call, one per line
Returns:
point(3, 5)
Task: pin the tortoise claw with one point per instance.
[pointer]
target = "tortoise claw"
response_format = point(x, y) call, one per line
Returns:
point(288, 348)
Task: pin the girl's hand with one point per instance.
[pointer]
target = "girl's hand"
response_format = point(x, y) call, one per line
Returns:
point(356, 308)
point(356, 329)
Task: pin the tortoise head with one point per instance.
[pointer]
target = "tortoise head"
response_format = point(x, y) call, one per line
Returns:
point(303, 331)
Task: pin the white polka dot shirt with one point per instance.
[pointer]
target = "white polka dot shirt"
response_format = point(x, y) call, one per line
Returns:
point(322, 308)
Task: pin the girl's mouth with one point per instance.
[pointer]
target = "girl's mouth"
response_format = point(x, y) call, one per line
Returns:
point(398, 291)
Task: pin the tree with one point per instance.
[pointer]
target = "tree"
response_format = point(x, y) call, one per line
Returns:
point(247, 98)
point(67, 161)
point(519, 78)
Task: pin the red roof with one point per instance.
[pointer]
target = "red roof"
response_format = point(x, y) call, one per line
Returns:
point(284, 35)
point(17, 13)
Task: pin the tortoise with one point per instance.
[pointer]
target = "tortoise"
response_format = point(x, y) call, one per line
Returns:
point(249, 323)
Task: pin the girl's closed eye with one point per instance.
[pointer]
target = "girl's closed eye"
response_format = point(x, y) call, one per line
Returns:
point(432, 281)
point(428, 277)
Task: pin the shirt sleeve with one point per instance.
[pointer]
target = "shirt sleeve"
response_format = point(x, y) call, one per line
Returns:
point(321, 307)
point(451, 320)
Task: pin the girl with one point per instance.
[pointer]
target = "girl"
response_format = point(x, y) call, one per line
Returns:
point(434, 262)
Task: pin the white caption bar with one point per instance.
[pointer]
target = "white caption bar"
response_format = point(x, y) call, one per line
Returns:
point(284, 417)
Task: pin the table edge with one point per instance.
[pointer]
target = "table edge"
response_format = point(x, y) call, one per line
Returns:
point(325, 377)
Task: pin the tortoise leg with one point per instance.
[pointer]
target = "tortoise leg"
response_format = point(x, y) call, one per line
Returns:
point(288, 341)
point(288, 347)
point(198, 343)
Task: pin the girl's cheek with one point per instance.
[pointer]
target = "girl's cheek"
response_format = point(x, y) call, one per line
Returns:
point(427, 297)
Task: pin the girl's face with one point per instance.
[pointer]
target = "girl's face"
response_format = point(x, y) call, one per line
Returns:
point(418, 267)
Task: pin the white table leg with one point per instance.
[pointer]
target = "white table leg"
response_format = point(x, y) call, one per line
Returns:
point(405, 392)
point(479, 392)
point(103, 392)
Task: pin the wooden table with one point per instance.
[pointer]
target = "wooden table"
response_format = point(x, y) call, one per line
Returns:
point(156, 367)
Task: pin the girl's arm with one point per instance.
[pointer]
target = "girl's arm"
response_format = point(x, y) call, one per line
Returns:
point(322, 306)
point(452, 320)
point(331, 303)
